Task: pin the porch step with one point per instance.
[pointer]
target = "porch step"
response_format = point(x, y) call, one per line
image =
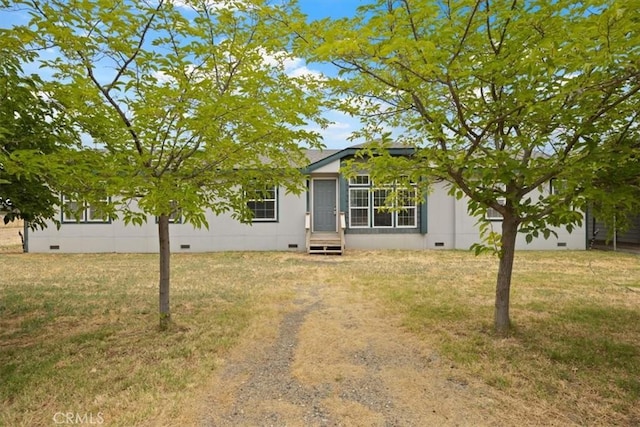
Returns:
point(326, 249)
point(325, 244)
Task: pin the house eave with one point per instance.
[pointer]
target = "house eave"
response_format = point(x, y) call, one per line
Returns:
point(350, 152)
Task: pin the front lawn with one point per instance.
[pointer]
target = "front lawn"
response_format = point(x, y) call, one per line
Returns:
point(78, 333)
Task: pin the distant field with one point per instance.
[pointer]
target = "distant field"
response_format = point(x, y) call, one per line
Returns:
point(9, 237)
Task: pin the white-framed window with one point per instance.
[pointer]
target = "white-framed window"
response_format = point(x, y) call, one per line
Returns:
point(359, 208)
point(175, 217)
point(71, 211)
point(382, 218)
point(367, 205)
point(491, 213)
point(407, 217)
point(494, 215)
point(74, 211)
point(359, 180)
point(94, 214)
point(264, 204)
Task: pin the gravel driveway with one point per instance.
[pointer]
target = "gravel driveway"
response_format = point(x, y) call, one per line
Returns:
point(333, 358)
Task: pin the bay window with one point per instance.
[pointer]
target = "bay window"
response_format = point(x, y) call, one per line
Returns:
point(368, 208)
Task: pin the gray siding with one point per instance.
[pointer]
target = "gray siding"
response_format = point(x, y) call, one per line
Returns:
point(449, 227)
point(224, 233)
point(631, 235)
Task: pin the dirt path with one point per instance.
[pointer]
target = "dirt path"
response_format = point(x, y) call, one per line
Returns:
point(334, 359)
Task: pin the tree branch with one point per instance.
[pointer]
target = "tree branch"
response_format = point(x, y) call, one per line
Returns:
point(467, 30)
point(137, 50)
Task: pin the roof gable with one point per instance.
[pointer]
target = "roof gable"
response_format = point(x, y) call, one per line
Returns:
point(320, 158)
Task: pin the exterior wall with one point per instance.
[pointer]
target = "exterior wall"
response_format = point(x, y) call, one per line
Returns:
point(224, 233)
point(385, 241)
point(448, 227)
point(331, 168)
point(441, 220)
point(466, 233)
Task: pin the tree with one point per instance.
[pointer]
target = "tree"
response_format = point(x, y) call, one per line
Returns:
point(29, 122)
point(190, 103)
point(621, 178)
point(499, 96)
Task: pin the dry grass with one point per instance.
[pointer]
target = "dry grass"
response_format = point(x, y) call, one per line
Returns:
point(575, 348)
point(78, 332)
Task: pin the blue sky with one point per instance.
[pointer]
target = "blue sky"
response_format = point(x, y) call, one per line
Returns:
point(317, 9)
point(335, 136)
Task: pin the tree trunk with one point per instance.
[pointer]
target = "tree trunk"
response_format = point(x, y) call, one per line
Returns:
point(502, 321)
point(165, 271)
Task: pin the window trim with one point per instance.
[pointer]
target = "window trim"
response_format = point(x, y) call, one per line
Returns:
point(407, 208)
point(276, 204)
point(84, 213)
point(372, 208)
point(380, 208)
point(493, 215)
point(367, 208)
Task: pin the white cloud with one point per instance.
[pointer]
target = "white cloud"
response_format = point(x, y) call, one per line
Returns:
point(163, 77)
point(337, 134)
point(304, 71)
point(291, 65)
point(339, 125)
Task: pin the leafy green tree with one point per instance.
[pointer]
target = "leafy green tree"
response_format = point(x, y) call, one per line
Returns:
point(189, 101)
point(622, 179)
point(500, 97)
point(29, 121)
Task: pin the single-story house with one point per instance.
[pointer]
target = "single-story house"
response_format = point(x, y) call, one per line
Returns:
point(335, 213)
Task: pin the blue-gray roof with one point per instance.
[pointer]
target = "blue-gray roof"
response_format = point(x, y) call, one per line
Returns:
point(318, 158)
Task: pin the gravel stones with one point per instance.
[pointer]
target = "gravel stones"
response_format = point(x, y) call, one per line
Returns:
point(337, 361)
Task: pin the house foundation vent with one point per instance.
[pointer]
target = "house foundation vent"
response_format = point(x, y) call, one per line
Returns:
point(293, 246)
point(562, 244)
point(54, 247)
point(185, 246)
point(439, 244)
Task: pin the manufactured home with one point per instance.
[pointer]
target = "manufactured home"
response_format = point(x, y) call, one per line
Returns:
point(333, 214)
